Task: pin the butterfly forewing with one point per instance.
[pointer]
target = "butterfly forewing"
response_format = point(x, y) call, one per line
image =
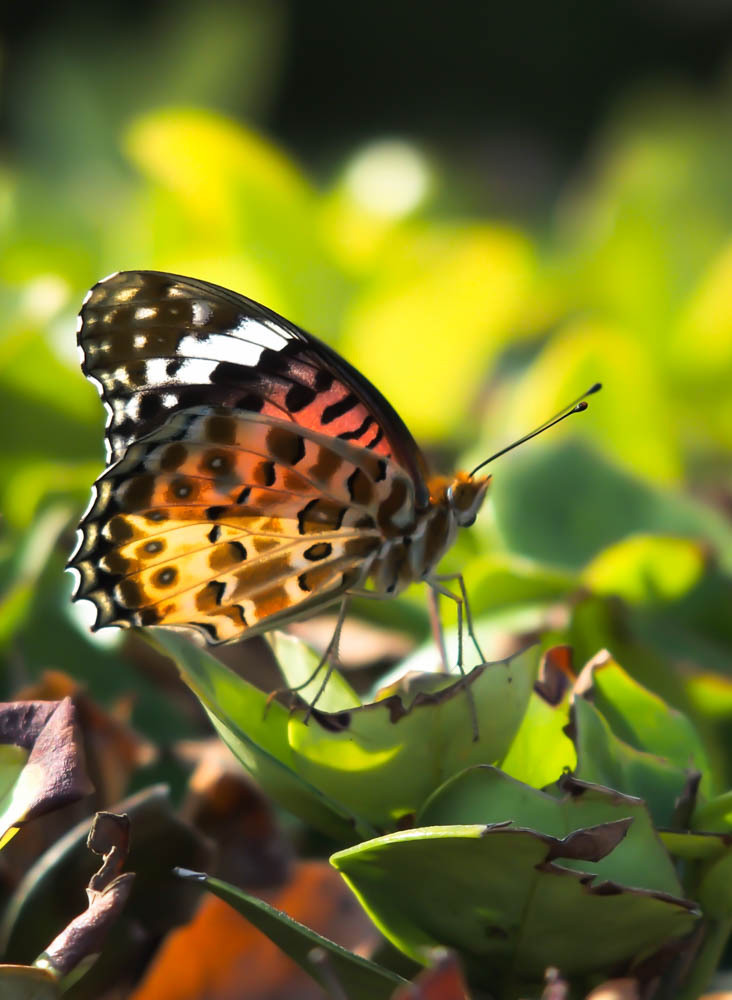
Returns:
point(155, 343)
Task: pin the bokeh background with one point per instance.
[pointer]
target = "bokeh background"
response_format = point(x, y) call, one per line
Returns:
point(484, 207)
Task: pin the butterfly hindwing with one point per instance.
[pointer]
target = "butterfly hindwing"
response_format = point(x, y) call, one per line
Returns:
point(226, 520)
point(155, 343)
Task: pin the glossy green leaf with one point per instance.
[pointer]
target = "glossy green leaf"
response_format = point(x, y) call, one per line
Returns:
point(359, 978)
point(541, 749)
point(487, 795)
point(299, 663)
point(374, 764)
point(604, 759)
point(257, 734)
point(506, 901)
point(491, 630)
point(643, 720)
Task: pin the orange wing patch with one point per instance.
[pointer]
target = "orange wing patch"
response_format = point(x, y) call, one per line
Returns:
point(232, 523)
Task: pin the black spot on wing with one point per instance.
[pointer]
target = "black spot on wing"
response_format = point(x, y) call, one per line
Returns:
point(252, 402)
point(339, 409)
point(150, 405)
point(298, 397)
point(360, 430)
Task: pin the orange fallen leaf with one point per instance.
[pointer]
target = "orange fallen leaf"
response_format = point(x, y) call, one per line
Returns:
point(221, 956)
point(443, 981)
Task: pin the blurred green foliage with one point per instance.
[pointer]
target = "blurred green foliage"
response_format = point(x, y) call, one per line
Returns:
point(608, 532)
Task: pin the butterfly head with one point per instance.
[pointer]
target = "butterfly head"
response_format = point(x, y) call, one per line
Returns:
point(465, 495)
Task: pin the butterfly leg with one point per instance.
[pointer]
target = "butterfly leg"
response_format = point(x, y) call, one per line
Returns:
point(437, 586)
point(438, 633)
point(328, 660)
point(435, 620)
point(327, 655)
point(458, 578)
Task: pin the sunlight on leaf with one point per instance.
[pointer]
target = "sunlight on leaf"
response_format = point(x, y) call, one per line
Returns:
point(630, 417)
point(646, 568)
point(466, 282)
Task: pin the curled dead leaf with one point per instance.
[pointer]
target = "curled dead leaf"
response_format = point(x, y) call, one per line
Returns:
point(54, 772)
point(107, 893)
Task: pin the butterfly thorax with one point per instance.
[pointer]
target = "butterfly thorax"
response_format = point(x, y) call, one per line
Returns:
point(412, 557)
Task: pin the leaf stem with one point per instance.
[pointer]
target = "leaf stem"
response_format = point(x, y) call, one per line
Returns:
point(707, 959)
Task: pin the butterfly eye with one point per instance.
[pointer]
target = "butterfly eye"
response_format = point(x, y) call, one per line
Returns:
point(465, 497)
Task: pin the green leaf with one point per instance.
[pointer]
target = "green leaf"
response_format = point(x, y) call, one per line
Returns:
point(502, 580)
point(642, 719)
point(590, 504)
point(359, 978)
point(714, 890)
point(374, 764)
point(646, 568)
point(505, 901)
point(541, 750)
point(487, 795)
point(604, 759)
point(431, 281)
point(695, 846)
point(716, 814)
point(298, 664)
point(22, 982)
point(257, 734)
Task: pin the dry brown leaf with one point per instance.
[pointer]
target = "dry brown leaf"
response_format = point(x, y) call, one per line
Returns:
point(229, 808)
point(107, 893)
point(114, 751)
point(54, 773)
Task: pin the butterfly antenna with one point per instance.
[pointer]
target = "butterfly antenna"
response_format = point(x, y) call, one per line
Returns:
point(577, 406)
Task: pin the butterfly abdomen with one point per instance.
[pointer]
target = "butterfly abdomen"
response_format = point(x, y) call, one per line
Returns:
point(411, 557)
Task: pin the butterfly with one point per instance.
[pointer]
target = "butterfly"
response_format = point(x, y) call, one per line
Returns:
point(254, 477)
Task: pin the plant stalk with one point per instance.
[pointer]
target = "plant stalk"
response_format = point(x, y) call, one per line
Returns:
point(707, 959)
